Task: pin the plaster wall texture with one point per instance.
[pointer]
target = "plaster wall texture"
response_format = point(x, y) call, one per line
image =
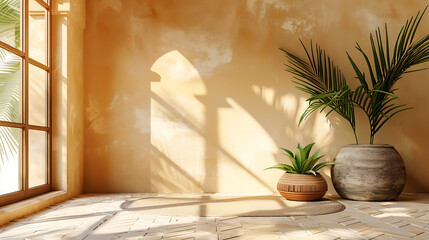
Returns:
point(191, 96)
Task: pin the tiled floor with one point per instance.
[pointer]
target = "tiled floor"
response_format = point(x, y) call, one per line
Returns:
point(101, 217)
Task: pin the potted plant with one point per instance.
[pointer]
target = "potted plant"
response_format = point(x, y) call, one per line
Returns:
point(301, 181)
point(372, 171)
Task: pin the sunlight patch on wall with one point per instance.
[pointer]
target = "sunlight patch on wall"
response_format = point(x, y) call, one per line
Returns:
point(178, 73)
point(321, 129)
point(266, 93)
point(179, 70)
point(246, 127)
point(177, 140)
point(247, 148)
point(289, 104)
point(316, 126)
point(243, 124)
point(177, 119)
point(302, 105)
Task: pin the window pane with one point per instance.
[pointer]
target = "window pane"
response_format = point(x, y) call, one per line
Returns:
point(37, 96)
point(38, 32)
point(10, 87)
point(10, 22)
point(10, 159)
point(37, 158)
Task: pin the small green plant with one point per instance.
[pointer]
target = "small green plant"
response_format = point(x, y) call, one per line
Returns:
point(302, 162)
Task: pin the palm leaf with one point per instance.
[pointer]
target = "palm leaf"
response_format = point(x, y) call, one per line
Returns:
point(323, 80)
point(379, 102)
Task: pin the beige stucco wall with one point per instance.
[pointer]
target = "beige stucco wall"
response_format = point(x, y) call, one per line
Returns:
point(191, 96)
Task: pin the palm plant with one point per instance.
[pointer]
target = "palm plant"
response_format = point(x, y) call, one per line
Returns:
point(9, 76)
point(327, 85)
point(302, 162)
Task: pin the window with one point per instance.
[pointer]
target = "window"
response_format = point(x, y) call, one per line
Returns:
point(25, 122)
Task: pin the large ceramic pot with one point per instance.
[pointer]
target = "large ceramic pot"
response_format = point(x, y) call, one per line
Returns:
point(302, 187)
point(368, 172)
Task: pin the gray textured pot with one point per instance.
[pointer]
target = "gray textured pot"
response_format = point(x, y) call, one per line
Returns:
point(368, 172)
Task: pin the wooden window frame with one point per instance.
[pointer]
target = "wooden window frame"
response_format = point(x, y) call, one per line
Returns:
point(26, 191)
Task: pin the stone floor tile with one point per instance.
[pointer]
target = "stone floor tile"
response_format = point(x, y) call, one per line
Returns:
point(359, 227)
point(230, 234)
point(181, 233)
point(317, 230)
point(252, 235)
point(178, 227)
point(397, 237)
point(350, 222)
point(296, 233)
point(423, 236)
point(345, 219)
point(206, 236)
point(93, 216)
point(401, 224)
point(416, 230)
point(382, 237)
point(324, 236)
point(225, 226)
point(370, 233)
point(153, 235)
point(148, 237)
point(211, 228)
point(344, 233)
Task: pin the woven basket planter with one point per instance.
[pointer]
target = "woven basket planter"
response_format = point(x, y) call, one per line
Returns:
point(302, 187)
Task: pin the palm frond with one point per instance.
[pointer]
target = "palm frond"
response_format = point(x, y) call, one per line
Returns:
point(323, 80)
point(386, 68)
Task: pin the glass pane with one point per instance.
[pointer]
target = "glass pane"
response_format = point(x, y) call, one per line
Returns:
point(38, 32)
point(10, 87)
point(10, 22)
point(10, 155)
point(37, 158)
point(37, 96)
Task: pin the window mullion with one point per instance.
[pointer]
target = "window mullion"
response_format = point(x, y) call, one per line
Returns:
point(25, 86)
point(43, 4)
point(11, 49)
point(39, 65)
point(49, 122)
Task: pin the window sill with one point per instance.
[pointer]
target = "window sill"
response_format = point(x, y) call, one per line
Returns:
point(29, 206)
